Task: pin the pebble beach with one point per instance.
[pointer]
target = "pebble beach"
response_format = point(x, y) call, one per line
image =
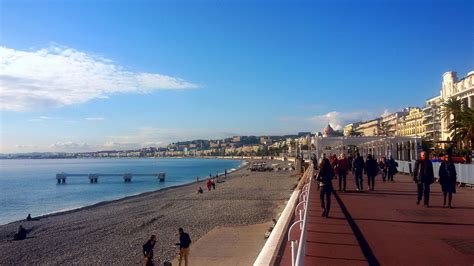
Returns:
point(114, 232)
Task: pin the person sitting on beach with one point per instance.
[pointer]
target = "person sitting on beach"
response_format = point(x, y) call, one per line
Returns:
point(148, 250)
point(200, 191)
point(28, 218)
point(21, 234)
point(184, 243)
point(209, 184)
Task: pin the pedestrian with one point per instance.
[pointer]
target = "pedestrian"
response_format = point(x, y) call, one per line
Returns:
point(214, 183)
point(391, 168)
point(371, 168)
point(383, 168)
point(447, 179)
point(209, 184)
point(333, 162)
point(423, 176)
point(325, 176)
point(342, 168)
point(225, 173)
point(184, 243)
point(148, 250)
point(350, 159)
point(359, 166)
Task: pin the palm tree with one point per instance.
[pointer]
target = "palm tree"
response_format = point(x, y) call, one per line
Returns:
point(452, 108)
point(462, 129)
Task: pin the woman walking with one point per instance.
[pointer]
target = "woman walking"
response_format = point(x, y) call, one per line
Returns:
point(447, 179)
point(325, 176)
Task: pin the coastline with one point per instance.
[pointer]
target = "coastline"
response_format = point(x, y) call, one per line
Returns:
point(105, 231)
point(131, 196)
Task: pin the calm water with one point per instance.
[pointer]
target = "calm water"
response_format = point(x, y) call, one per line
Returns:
point(29, 186)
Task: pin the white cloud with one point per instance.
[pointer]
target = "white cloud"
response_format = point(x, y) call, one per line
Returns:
point(111, 145)
point(60, 76)
point(42, 119)
point(35, 120)
point(69, 146)
point(94, 118)
point(385, 113)
point(338, 120)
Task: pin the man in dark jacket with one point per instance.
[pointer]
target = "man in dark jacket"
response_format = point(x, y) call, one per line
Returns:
point(359, 166)
point(423, 175)
point(391, 168)
point(372, 170)
point(184, 243)
point(21, 233)
point(148, 250)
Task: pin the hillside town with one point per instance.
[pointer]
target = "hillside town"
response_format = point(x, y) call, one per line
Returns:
point(433, 123)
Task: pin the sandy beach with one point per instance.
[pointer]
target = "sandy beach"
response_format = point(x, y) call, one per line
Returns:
point(114, 232)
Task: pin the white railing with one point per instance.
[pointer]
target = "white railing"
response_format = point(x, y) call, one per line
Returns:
point(269, 252)
point(465, 172)
point(301, 216)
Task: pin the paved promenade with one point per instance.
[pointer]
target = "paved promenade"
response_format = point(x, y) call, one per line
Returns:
point(386, 227)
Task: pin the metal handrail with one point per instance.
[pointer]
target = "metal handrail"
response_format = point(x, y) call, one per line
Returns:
point(302, 243)
point(298, 246)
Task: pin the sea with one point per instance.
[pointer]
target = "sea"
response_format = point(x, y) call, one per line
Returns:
point(30, 186)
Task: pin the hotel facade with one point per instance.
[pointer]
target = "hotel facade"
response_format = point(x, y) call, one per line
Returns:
point(424, 122)
point(411, 124)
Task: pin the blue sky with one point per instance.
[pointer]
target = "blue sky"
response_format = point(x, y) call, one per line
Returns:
point(89, 75)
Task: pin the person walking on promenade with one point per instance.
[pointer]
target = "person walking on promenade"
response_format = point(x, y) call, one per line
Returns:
point(391, 168)
point(359, 166)
point(333, 162)
point(184, 243)
point(148, 250)
point(371, 168)
point(325, 176)
point(423, 175)
point(447, 179)
point(383, 168)
point(342, 168)
point(350, 159)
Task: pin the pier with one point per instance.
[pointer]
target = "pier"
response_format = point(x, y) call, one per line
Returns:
point(93, 178)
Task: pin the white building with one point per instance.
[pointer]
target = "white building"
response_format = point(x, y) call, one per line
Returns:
point(462, 89)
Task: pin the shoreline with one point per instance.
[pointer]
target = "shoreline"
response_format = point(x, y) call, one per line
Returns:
point(114, 231)
point(105, 202)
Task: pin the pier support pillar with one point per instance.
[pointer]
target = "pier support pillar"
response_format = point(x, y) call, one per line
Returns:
point(127, 178)
point(161, 177)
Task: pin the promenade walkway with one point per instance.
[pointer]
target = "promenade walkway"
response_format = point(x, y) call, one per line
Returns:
point(386, 227)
